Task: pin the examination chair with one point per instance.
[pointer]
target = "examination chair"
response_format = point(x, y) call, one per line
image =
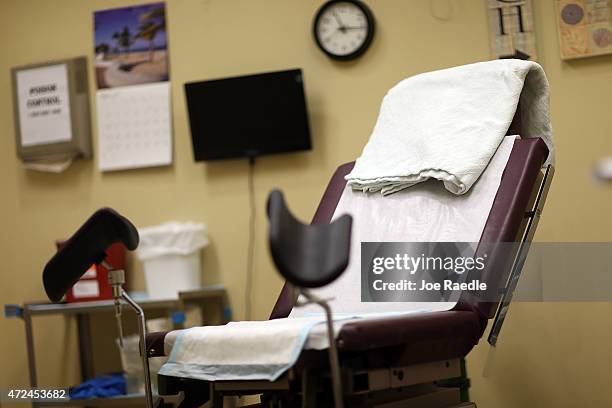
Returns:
point(404, 361)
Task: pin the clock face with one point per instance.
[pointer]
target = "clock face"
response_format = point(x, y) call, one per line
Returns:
point(344, 29)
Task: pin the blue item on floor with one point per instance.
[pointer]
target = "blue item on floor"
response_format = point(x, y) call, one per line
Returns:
point(104, 386)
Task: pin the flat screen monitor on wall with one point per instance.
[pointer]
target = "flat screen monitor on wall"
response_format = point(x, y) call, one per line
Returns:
point(248, 116)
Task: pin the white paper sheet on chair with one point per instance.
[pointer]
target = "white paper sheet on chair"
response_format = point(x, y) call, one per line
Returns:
point(425, 212)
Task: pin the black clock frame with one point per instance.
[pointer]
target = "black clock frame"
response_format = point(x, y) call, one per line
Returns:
point(369, 36)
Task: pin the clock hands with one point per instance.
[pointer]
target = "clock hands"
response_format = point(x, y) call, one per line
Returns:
point(341, 27)
point(340, 23)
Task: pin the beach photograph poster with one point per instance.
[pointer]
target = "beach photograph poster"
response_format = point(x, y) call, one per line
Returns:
point(131, 45)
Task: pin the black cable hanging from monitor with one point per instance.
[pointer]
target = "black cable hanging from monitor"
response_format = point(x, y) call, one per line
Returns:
point(248, 287)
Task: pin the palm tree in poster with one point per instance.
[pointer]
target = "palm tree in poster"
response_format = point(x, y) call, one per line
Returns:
point(153, 21)
point(148, 31)
point(154, 14)
point(124, 39)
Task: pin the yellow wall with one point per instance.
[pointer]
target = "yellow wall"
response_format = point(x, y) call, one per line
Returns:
point(550, 355)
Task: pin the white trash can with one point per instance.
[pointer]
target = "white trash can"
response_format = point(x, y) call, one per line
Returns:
point(171, 256)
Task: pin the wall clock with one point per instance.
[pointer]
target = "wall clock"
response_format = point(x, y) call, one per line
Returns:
point(343, 29)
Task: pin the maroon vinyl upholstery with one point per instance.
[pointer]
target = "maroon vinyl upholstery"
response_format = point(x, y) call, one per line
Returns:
point(413, 339)
point(155, 343)
point(508, 211)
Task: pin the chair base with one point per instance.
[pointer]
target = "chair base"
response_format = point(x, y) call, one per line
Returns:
point(406, 387)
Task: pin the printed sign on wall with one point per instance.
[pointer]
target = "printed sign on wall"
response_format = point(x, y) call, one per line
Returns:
point(43, 105)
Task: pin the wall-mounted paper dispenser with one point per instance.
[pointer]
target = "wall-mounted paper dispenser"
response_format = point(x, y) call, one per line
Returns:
point(51, 108)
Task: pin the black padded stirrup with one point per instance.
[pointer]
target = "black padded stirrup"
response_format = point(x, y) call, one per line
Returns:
point(308, 256)
point(87, 246)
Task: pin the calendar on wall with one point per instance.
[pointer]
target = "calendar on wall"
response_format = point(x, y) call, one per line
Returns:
point(134, 127)
point(133, 97)
point(511, 29)
point(584, 27)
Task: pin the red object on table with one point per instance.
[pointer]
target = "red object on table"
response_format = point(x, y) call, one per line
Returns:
point(93, 285)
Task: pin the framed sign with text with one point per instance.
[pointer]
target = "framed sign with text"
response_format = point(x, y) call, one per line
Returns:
point(51, 110)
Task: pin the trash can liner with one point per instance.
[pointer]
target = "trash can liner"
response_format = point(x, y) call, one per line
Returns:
point(171, 238)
